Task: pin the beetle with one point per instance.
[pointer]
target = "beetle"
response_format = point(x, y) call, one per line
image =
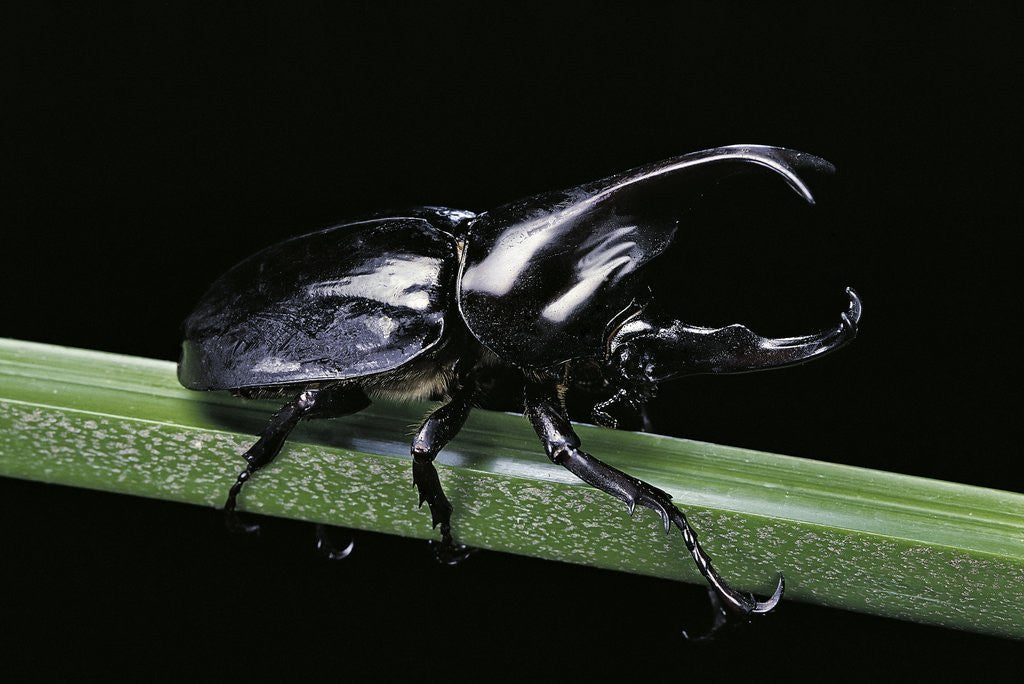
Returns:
point(415, 304)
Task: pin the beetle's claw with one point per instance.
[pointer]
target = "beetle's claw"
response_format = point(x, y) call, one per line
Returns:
point(328, 549)
point(451, 554)
point(765, 607)
point(447, 552)
point(719, 619)
point(723, 619)
point(745, 605)
point(233, 523)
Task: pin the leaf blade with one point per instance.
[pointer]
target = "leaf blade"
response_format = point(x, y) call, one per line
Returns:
point(882, 543)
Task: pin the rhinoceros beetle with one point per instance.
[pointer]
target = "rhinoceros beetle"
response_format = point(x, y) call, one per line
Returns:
point(414, 304)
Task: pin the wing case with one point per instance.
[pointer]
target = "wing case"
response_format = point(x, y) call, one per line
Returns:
point(348, 301)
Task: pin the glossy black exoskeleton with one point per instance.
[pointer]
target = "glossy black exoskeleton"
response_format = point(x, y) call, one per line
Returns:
point(414, 304)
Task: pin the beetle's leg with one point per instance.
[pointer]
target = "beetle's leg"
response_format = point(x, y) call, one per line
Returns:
point(719, 620)
point(646, 424)
point(311, 403)
point(562, 446)
point(634, 400)
point(600, 410)
point(436, 431)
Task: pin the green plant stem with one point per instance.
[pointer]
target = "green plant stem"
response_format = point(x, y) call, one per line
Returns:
point(875, 542)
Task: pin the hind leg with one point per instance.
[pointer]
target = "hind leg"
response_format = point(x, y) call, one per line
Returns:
point(311, 403)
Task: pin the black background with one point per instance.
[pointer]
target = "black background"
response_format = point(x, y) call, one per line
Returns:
point(146, 149)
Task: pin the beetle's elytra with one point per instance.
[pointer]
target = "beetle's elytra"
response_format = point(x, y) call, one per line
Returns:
point(415, 303)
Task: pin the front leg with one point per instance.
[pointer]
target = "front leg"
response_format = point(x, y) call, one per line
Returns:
point(562, 445)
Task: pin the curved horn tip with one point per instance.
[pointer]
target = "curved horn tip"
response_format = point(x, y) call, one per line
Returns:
point(815, 164)
point(762, 607)
point(853, 313)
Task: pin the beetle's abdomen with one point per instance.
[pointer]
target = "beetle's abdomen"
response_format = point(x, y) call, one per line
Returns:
point(345, 302)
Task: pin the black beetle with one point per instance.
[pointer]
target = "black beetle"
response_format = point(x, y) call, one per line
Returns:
point(413, 305)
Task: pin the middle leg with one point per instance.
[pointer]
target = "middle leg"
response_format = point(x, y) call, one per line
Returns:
point(437, 430)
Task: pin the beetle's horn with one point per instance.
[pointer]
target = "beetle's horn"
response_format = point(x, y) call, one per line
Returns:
point(646, 352)
point(552, 265)
point(716, 163)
